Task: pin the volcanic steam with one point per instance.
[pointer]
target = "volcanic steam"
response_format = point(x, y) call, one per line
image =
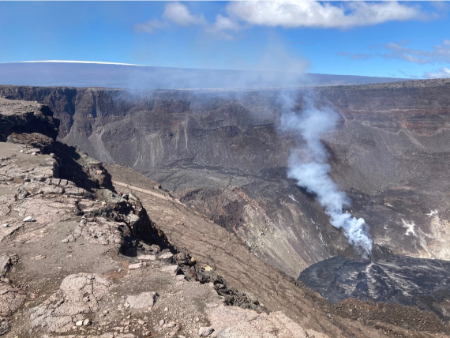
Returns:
point(310, 169)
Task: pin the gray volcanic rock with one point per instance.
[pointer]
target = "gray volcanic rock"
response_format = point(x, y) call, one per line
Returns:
point(387, 278)
point(26, 117)
point(4, 326)
point(78, 296)
point(220, 153)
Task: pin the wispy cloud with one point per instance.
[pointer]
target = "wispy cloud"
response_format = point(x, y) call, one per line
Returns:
point(440, 5)
point(440, 73)
point(223, 27)
point(401, 51)
point(360, 56)
point(180, 15)
point(150, 26)
point(357, 56)
point(437, 54)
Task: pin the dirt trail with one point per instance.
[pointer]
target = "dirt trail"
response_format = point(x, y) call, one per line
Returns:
point(148, 192)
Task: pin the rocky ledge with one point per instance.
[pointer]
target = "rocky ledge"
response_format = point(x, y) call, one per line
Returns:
point(26, 117)
point(78, 259)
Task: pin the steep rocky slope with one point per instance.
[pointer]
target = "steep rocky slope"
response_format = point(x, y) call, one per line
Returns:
point(222, 153)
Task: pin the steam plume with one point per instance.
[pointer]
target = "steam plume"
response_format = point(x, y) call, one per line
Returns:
point(311, 169)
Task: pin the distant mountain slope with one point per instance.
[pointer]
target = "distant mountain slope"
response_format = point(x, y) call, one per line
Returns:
point(90, 74)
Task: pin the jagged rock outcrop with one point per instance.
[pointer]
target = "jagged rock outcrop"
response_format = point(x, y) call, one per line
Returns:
point(24, 117)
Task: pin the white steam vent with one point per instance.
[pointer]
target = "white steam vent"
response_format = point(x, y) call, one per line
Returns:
point(311, 169)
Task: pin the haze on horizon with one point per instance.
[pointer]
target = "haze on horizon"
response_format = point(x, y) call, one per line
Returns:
point(375, 39)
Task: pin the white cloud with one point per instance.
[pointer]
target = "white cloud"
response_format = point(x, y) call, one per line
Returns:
point(180, 15)
point(441, 73)
point(223, 27)
point(292, 13)
point(149, 26)
point(287, 14)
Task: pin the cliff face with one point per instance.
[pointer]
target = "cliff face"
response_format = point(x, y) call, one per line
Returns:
point(23, 117)
point(221, 153)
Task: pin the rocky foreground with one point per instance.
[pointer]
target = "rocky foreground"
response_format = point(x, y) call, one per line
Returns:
point(87, 254)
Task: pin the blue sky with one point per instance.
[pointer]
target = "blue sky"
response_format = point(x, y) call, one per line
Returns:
point(395, 39)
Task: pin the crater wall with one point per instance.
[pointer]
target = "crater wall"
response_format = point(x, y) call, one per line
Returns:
point(220, 152)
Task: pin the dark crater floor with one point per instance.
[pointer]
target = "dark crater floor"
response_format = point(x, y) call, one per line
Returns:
point(386, 278)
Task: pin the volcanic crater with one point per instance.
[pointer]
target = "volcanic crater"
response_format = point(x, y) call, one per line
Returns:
point(217, 160)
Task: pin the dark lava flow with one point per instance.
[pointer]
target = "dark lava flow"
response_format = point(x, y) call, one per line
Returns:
point(386, 277)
